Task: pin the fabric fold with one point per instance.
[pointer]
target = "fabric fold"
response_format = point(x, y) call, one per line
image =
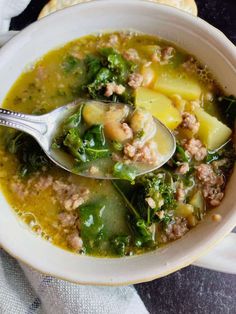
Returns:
point(9, 9)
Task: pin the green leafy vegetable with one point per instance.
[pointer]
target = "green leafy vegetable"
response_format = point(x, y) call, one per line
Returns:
point(95, 143)
point(117, 64)
point(28, 152)
point(107, 66)
point(160, 189)
point(89, 147)
point(127, 202)
point(158, 186)
point(96, 153)
point(125, 172)
point(92, 225)
point(75, 144)
point(70, 64)
point(84, 146)
point(181, 154)
point(93, 64)
point(224, 157)
point(74, 120)
point(15, 142)
point(120, 244)
point(212, 156)
point(94, 137)
point(143, 236)
point(102, 78)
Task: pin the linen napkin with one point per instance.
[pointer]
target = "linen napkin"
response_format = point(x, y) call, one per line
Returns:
point(26, 291)
point(9, 9)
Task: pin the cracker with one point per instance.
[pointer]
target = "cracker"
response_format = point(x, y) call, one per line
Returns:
point(54, 5)
point(186, 5)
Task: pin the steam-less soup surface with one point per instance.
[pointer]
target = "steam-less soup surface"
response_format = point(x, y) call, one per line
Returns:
point(133, 215)
point(95, 137)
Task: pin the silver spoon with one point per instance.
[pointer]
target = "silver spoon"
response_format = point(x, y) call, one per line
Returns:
point(45, 127)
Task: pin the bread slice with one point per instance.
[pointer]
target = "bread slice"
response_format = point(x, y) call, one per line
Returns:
point(54, 5)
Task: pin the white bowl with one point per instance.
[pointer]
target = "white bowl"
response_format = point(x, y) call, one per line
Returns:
point(188, 32)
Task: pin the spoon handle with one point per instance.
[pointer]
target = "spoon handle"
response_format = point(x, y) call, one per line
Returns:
point(33, 125)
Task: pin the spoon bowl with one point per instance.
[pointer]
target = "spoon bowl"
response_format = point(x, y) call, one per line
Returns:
point(44, 128)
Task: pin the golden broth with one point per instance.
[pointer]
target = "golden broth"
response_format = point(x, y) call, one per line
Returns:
point(47, 86)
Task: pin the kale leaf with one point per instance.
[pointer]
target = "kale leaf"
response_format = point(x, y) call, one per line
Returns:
point(120, 244)
point(160, 188)
point(75, 144)
point(28, 152)
point(94, 137)
point(119, 66)
point(84, 146)
point(93, 65)
point(125, 172)
point(95, 143)
point(102, 78)
point(92, 227)
point(142, 234)
point(74, 120)
point(89, 147)
point(106, 67)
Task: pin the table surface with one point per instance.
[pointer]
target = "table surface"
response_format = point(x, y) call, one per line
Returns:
point(191, 290)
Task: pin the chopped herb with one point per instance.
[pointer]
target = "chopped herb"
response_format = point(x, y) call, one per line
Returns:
point(158, 187)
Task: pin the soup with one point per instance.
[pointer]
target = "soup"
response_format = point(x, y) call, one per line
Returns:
point(134, 215)
point(95, 139)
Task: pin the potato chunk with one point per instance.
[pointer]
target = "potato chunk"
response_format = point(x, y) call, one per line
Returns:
point(170, 84)
point(184, 210)
point(198, 202)
point(159, 105)
point(94, 113)
point(212, 132)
